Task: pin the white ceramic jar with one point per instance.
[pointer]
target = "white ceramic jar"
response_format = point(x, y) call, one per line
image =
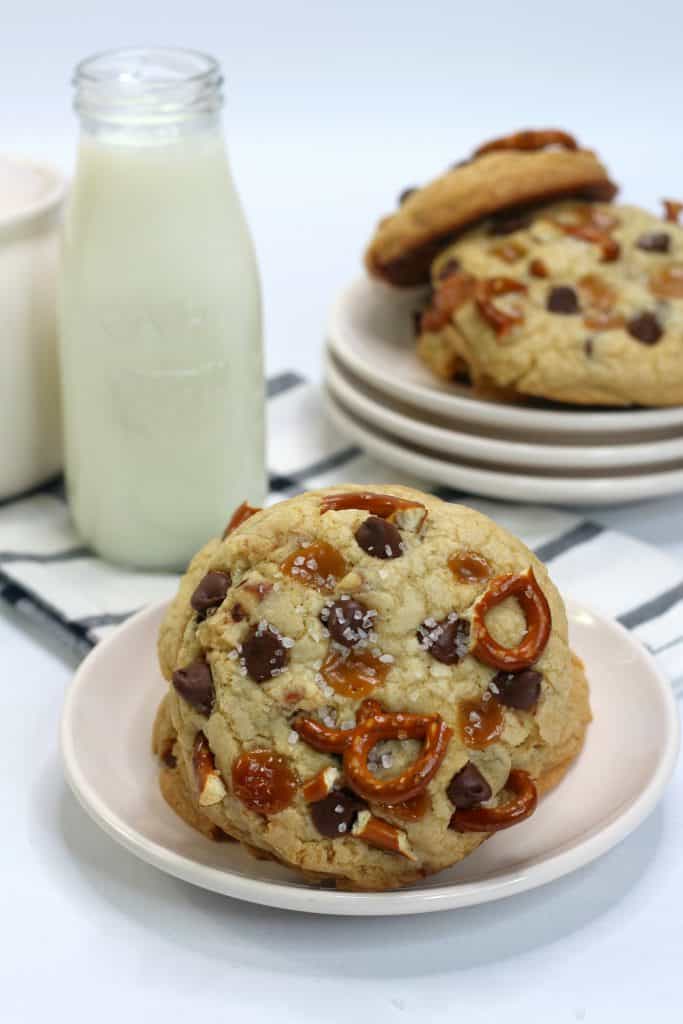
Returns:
point(160, 327)
point(31, 196)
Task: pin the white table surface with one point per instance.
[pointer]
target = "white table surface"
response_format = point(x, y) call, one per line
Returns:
point(89, 933)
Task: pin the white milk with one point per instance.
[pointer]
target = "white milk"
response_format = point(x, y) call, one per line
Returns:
point(160, 338)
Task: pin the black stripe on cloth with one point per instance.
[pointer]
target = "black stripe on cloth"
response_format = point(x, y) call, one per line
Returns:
point(282, 382)
point(89, 622)
point(56, 556)
point(15, 595)
point(652, 609)
point(580, 534)
point(295, 481)
point(50, 486)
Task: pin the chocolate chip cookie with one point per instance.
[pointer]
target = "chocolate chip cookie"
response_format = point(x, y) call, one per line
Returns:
point(365, 684)
point(581, 303)
point(502, 177)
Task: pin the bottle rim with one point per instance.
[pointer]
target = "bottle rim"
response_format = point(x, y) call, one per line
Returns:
point(140, 84)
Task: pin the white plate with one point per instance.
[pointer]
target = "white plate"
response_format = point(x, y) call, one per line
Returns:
point(628, 758)
point(371, 331)
point(429, 431)
point(608, 487)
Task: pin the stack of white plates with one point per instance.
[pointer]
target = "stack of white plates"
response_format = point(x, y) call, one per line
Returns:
point(384, 399)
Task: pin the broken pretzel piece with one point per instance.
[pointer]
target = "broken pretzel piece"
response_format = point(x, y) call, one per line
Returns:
point(209, 782)
point(377, 832)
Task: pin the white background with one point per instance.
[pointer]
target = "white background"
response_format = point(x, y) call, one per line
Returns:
point(332, 110)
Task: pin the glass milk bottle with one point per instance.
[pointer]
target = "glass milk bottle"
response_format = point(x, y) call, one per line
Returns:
point(160, 326)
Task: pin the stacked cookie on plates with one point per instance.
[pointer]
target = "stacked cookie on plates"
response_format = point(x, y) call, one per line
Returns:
point(541, 285)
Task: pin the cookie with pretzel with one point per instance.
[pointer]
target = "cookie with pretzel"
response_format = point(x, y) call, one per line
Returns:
point(501, 178)
point(364, 684)
point(579, 302)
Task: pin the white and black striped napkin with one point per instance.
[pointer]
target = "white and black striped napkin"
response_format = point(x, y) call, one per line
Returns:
point(46, 571)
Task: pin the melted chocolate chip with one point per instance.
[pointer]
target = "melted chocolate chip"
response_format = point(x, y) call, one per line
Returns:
point(379, 538)
point(467, 788)
point(348, 621)
point(562, 299)
point(508, 221)
point(263, 652)
point(645, 328)
point(654, 241)
point(194, 683)
point(211, 591)
point(588, 347)
point(405, 194)
point(334, 815)
point(451, 266)
point(448, 640)
point(519, 690)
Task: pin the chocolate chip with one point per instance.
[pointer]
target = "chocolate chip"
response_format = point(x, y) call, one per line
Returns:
point(348, 621)
point(451, 266)
point(405, 194)
point(562, 299)
point(194, 683)
point(467, 788)
point(379, 538)
point(654, 241)
point(264, 653)
point(645, 327)
point(448, 640)
point(508, 221)
point(519, 690)
point(588, 346)
point(211, 591)
point(237, 613)
point(334, 815)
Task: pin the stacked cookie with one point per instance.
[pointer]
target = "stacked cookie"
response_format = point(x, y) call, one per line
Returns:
point(365, 684)
point(540, 284)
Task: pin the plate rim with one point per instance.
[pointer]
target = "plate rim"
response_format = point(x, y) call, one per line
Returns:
point(405, 901)
point(576, 490)
point(478, 410)
point(340, 380)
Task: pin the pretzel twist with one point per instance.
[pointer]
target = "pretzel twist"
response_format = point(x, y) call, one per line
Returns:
point(529, 140)
point(382, 505)
point(372, 725)
point(538, 622)
point(487, 291)
point(493, 819)
point(239, 516)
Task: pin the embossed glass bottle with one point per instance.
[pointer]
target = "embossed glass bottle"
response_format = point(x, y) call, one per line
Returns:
point(160, 325)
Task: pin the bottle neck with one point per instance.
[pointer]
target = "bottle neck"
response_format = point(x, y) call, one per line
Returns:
point(148, 96)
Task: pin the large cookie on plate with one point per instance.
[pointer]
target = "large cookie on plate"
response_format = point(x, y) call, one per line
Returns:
point(530, 167)
point(365, 684)
point(583, 303)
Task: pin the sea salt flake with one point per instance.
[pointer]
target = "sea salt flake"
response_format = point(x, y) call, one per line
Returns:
point(293, 738)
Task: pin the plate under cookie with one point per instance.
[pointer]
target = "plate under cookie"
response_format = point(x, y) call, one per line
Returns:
point(106, 726)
